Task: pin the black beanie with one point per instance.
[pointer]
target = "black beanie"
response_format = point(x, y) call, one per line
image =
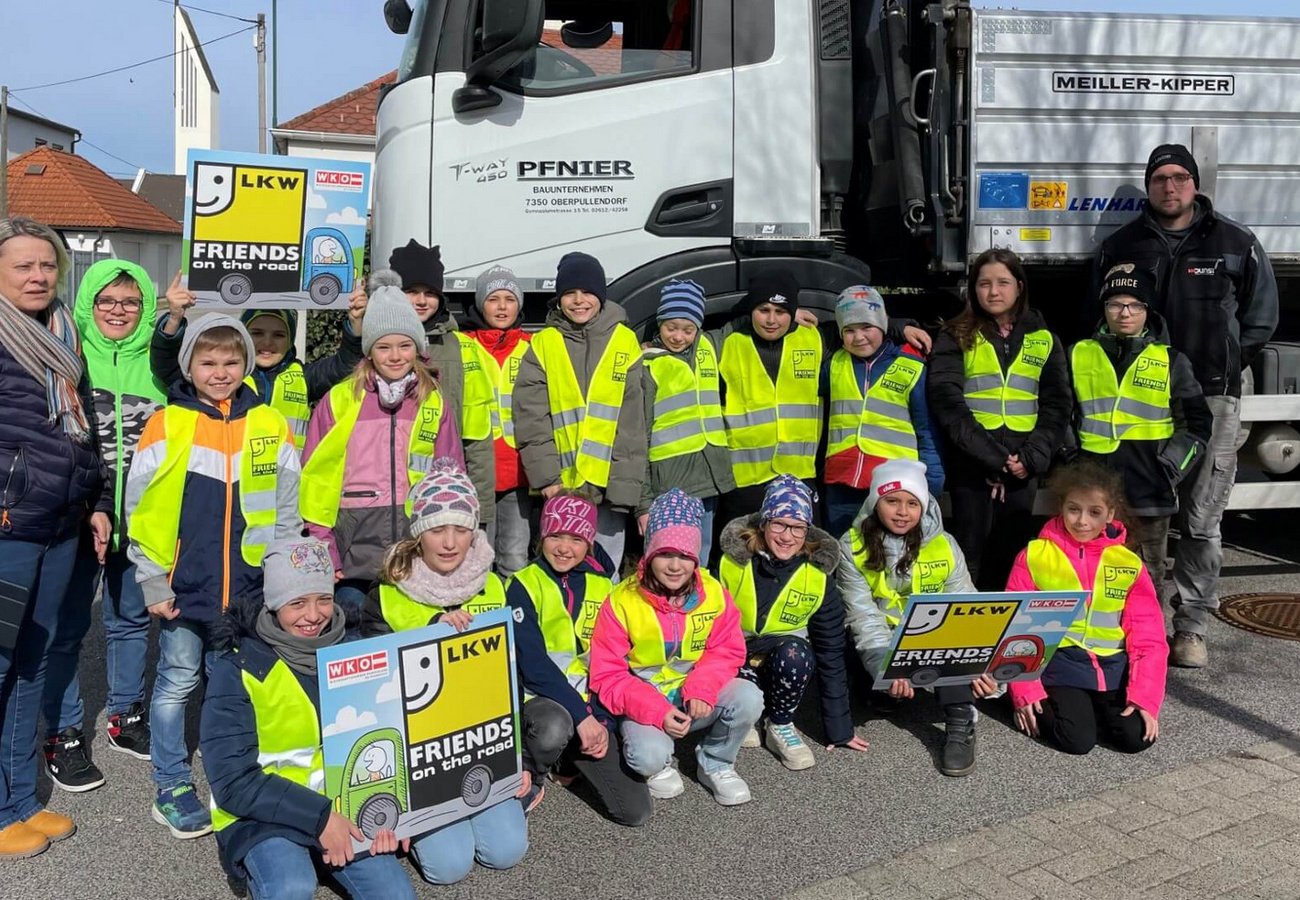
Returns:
point(1131, 280)
point(418, 264)
point(1175, 155)
point(779, 288)
point(580, 272)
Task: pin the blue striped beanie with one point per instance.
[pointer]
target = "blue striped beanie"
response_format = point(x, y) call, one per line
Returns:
point(682, 300)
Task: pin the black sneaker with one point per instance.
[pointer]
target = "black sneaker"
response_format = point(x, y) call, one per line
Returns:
point(959, 740)
point(128, 732)
point(67, 760)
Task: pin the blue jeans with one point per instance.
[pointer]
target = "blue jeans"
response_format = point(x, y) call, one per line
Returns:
point(351, 595)
point(843, 503)
point(649, 749)
point(126, 637)
point(44, 569)
point(279, 869)
point(181, 645)
point(496, 837)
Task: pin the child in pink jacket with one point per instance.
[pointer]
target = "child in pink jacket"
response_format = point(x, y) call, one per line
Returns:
point(1107, 680)
point(664, 656)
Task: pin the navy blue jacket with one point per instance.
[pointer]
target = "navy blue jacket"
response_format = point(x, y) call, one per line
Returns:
point(48, 483)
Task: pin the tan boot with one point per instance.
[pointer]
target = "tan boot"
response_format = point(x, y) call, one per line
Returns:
point(1188, 651)
point(54, 826)
point(20, 841)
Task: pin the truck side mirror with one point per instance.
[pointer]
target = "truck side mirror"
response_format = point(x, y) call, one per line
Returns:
point(510, 29)
point(398, 16)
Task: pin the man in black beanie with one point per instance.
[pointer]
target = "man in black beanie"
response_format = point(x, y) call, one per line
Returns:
point(1215, 289)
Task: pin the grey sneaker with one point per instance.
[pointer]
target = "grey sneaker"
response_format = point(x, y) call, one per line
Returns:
point(789, 747)
point(666, 785)
point(1189, 651)
point(751, 739)
point(726, 786)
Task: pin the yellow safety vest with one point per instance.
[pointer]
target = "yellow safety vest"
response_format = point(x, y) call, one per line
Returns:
point(800, 598)
point(402, 613)
point(648, 659)
point(1009, 401)
point(321, 484)
point(688, 408)
point(288, 734)
point(934, 565)
point(1098, 630)
point(879, 424)
point(289, 399)
point(1136, 410)
point(585, 427)
point(773, 429)
point(504, 375)
point(568, 640)
point(476, 414)
point(155, 523)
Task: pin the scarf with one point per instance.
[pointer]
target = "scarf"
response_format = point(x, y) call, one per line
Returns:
point(51, 354)
point(392, 393)
point(423, 585)
point(299, 653)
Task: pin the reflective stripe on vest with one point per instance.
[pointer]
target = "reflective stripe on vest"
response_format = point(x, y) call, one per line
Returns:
point(648, 659)
point(289, 399)
point(794, 606)
point(321, 483)
point(1012, 401)
point(1098, 630)
point(288, 733)
point(155, 524)
point(480, 394)
point(688, 408)
point(773, 429)
point(568, 640)
point(934, 565)
point(585, 427)
point(403, 614)
point(1137, 410)
point(881, 423)
point(504, 375)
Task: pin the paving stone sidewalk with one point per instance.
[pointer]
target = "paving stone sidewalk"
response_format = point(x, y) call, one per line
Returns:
point(1226, 827)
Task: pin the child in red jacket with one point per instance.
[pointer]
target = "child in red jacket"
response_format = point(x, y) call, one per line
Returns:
point(1107, 680)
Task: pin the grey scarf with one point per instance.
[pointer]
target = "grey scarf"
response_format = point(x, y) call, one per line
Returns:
point(299, 653)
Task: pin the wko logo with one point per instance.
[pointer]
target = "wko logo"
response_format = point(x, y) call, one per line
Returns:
point(357, 668)
point(330, 180)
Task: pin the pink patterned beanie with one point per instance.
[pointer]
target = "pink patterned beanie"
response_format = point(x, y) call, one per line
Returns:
point(443, 497)
point(673, 525)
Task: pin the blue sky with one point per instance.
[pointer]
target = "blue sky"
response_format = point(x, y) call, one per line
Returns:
point(327, 47)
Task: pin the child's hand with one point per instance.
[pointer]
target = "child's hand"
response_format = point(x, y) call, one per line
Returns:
point(594, 737)
point(1150, 727)
point(387, 842)
point(357, 301)
point(335, 840)
point(698, 709)
point(984, 686)
point(901, 689)
point(918, 338)
point(457, 618)
point(166, 610)
point(101, 527)
point(1027, 718)
point(853, 743)
point(526, 786)
point(549, 492)
point(179, 300)
point(338, 575)
point(640, 523)
point(806, 317)
point(1016, 467)
point(677, 724)
point(997, 490)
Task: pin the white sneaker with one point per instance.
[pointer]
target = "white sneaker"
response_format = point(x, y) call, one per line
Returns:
point(752, 739)
point(726, 786)
point(665, 785)
point(789, 747)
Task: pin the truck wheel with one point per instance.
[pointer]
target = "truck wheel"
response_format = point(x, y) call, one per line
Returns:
point(235, 288)
point(325, 289)
point(1007, 671)
point(924, 677)
point(378, 813)
point(476, 786)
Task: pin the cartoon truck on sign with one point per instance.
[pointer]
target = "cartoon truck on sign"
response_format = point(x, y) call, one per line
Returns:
point(326, 265)
point(1017, 655)
point(374, 792)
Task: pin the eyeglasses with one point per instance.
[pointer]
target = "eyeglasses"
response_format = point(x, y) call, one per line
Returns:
point(796, 531)
point(1179, 179)
point(1114, 307)
point(106, 304)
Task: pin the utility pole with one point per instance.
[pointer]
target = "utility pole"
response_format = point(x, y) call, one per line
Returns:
point(4, 151)
point(260, 43)
point(275, 66)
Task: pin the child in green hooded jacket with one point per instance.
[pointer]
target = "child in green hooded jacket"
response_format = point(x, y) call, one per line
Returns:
point(114, 314)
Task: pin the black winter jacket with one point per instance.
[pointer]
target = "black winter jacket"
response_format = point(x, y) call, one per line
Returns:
point(825, 628)
point(1216, 290)
point(972, 453)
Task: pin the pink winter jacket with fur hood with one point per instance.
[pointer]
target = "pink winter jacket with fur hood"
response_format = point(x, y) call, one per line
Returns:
point(624, 694)
point(1142, 620)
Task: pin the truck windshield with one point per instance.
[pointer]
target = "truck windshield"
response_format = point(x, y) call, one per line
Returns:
point(414, 37)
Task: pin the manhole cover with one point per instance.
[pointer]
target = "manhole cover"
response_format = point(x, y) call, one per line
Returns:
point(1272, 615)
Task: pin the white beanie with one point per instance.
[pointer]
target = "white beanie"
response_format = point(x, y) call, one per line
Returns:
point(900, 475)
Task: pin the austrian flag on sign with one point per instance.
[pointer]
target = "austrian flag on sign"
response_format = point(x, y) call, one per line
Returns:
point(328, 180)
point(357, 668)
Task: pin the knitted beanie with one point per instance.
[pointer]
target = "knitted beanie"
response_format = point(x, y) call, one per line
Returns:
point(779, 288)
point(443, 497)
point(497, 278)
point(681, 300)
point(294, 568)
point(787, 498)
point(418, 265)
point(673, 525)
point(861, 305)
point(1172, 155)
point(580, 272)
point(288, 316)
point(899, 475)
point(390, 312)
point(566, 514)
point(206, 324)
point(1130, 280)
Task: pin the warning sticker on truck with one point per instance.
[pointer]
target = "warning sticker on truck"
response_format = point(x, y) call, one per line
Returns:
point(1048, 195)
point(1142, 83)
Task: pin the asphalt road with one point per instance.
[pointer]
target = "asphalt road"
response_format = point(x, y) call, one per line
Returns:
point(801, 827)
